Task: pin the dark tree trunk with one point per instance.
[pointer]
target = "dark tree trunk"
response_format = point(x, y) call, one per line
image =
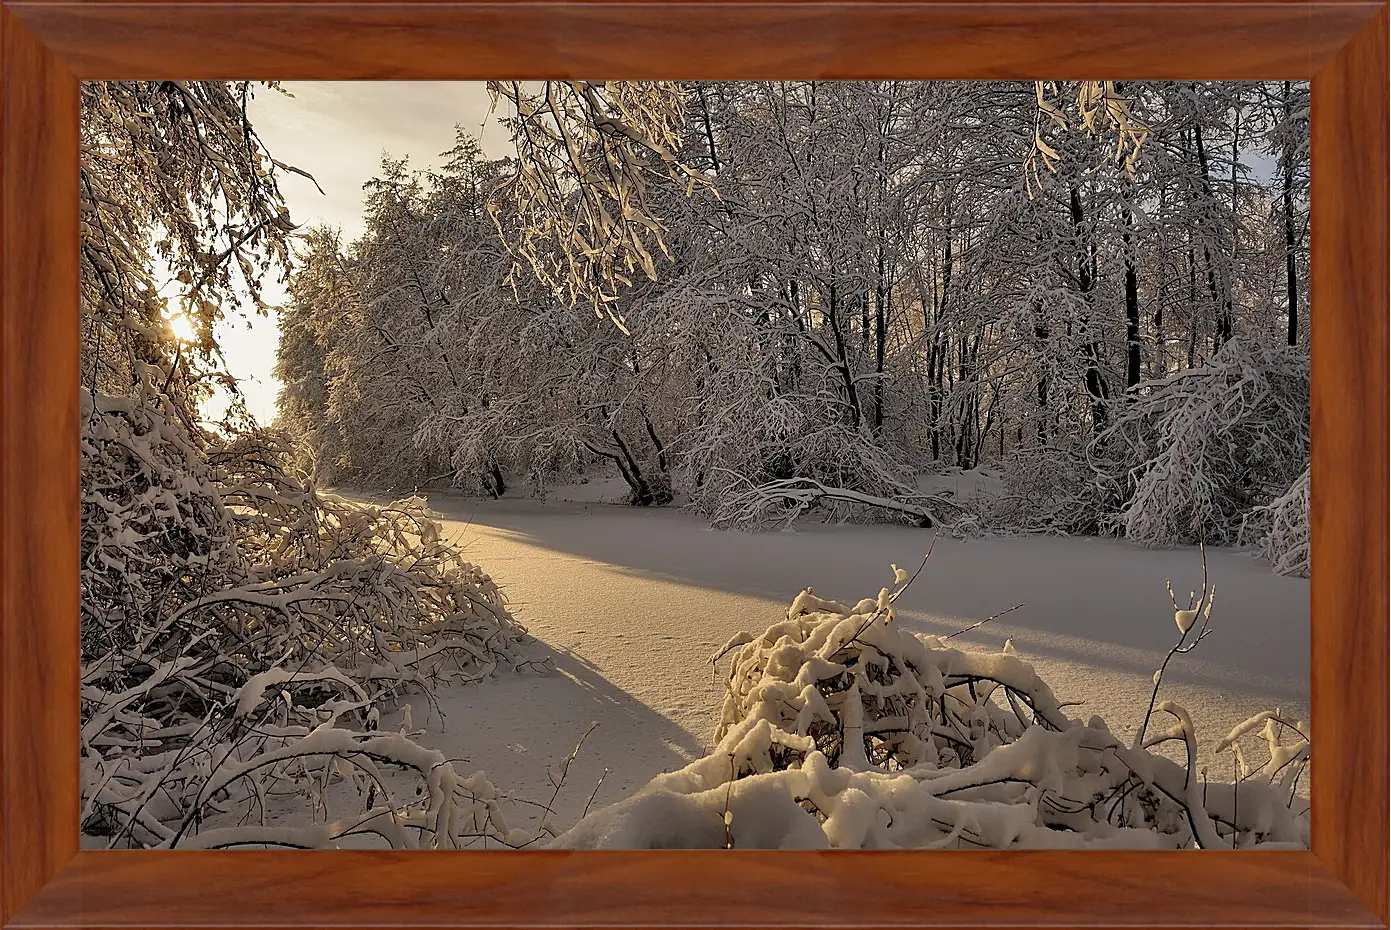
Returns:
point(1287, 204)
point(642, 492)
point(1221, 295)
point(497, 487)
point(1132, 304)
point(1041, 333)
point(936, 361)
point(656, 443)
point(864, 321)
point(880, 335)
point(709, 129)
point(842, 362)
point(1193, 306)
point(1097, 388)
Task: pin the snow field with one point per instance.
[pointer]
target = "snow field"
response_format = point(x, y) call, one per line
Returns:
point(633, 603)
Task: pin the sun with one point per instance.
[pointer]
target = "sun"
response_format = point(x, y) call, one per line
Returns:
point(182, 328)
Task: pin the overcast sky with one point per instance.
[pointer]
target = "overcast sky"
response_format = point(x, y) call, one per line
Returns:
point(337, 131)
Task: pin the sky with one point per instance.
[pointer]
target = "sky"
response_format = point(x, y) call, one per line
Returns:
point(337, 131)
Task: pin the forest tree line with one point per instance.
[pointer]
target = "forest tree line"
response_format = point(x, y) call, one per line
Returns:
point(837, 286)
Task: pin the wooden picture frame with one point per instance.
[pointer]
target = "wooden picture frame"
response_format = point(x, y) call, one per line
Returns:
point(47, 46)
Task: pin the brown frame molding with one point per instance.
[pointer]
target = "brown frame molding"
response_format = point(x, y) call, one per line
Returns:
point(47, 46)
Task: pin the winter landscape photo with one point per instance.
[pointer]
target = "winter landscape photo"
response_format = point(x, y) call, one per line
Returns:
point(670, 465)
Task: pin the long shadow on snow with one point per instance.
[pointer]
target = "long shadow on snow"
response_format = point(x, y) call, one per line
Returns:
point(520, 727)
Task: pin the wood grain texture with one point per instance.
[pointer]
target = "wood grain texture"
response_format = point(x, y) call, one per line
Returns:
point(444, 41)
point(38, 465)
point(725, 4)
point(712, 888)
point(1348, 491)
point(1342, 882)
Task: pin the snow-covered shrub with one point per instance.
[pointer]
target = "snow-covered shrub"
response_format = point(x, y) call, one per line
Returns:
point(154, 532)
point(201, 795)
point(232, 616)
point(753, 462)
point(841, 729)
point(1193, 453)
point(1049, 490)
point(779, 503)
point(1281, 529)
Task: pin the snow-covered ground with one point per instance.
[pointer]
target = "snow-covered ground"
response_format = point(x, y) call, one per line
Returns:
point(631, 603)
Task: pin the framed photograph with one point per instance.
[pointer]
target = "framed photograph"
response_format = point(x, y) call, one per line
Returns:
point(697, 464)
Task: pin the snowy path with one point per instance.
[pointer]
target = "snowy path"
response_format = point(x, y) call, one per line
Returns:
point(633, 602)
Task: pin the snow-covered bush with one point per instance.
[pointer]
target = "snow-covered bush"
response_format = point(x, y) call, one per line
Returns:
point(1281, 529)
point(235, 622)
point(154, 531)
point(841, 729)
point(1193, 453)
point(779, 504)
point(1049, 490)
point(201, 795)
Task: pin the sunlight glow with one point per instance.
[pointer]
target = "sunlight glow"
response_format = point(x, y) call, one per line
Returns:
point(182, 328)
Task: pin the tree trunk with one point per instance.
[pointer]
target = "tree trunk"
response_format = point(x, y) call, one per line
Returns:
point(852, 396)
point(1287, 204)
point(1221, 296)
point(1192, 305)
point(642, 492)
point(656, 443)
point(1132, 302)
point(936, 362)
point(880, 325)
point(1095, 379)
point(1041, 333)
point(495, 484)
point(709, 129)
